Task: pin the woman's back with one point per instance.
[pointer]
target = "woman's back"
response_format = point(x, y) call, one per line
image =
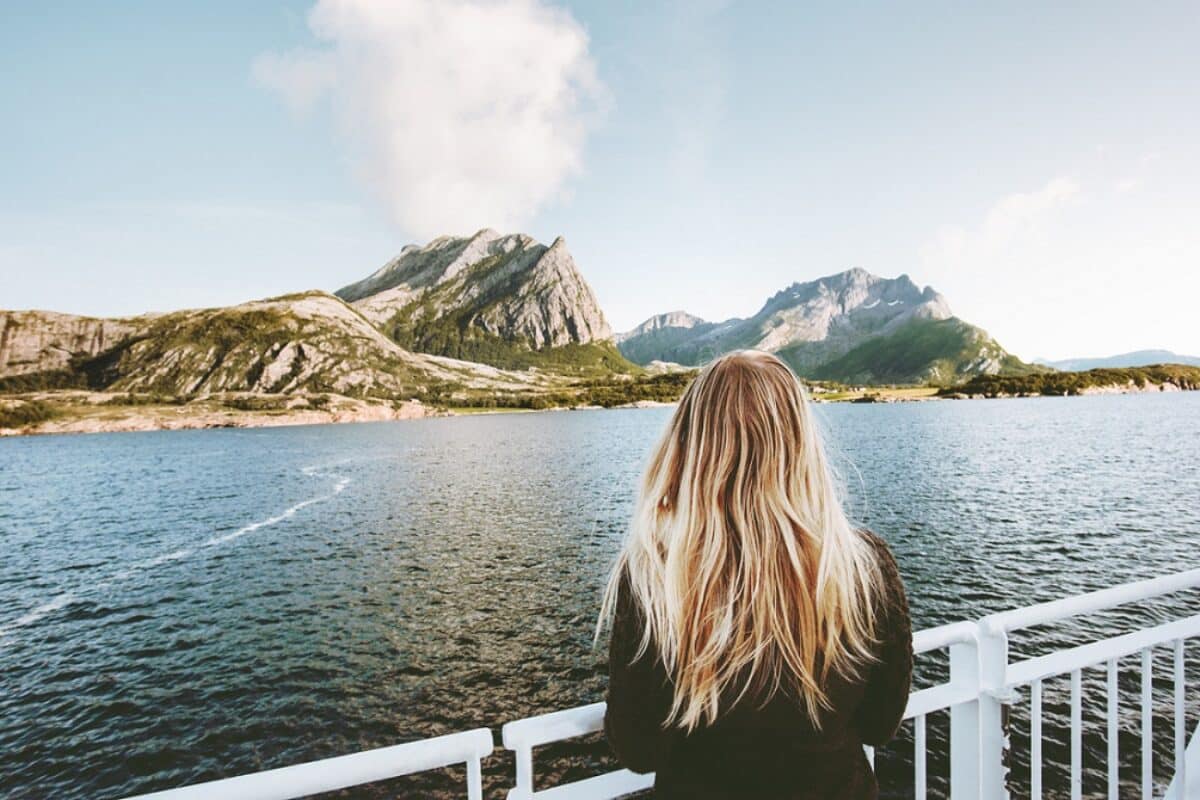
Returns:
point(754, 750)
point(758, 639)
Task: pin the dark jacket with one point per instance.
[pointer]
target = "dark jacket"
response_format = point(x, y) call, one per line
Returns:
point(755, 751)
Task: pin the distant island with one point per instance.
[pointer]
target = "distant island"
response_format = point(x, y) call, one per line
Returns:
point(1104, 380)
point(1137, 358)
point(478, 323)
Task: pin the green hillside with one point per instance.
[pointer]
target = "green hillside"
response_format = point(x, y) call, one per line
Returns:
point(922, 351)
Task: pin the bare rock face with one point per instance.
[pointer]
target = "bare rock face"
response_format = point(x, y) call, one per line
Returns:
point(827, 317)
point(39, 341)
point(506, 286)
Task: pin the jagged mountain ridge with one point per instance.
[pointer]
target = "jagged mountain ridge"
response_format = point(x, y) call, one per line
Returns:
point(481, 296)
point(852, 326)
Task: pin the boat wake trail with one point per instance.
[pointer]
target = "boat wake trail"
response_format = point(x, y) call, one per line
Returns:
point(338, 488)
point(67, 598)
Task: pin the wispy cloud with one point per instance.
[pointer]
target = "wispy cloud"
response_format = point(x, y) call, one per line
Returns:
point(302, 77)
point(1083, 264)
point(457, 113)
point(1012, 219)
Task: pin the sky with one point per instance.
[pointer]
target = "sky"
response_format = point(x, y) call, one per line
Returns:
point(1038, 164)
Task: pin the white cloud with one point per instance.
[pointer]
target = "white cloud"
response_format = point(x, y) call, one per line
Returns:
point(1077, 267)
point(302, 77)
point(460, 114)
point(1013, 219)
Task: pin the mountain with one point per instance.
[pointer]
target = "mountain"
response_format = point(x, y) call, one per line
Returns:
point(1138, 358)
point(664, 333)
point(309, 343)
point(853, 327)
point(488, 319)
point(505, 300)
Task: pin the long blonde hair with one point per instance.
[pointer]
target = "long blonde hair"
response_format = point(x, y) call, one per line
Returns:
point(740, 558)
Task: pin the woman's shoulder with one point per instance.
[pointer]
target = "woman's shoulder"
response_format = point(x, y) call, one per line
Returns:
point(889, 570)
point(879, 546)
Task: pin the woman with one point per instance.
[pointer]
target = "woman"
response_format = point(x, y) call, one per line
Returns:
point(758, 639)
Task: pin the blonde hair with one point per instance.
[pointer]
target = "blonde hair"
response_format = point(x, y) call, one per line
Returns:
point(740, 558)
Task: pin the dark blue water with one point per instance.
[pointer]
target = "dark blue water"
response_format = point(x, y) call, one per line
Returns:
point(182, 606)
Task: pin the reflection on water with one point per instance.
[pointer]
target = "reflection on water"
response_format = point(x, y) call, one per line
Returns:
point(182, 606)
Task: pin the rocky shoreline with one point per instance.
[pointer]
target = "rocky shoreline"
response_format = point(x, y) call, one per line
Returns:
point(1122, 388)
point(100, 412)
point(95, 412)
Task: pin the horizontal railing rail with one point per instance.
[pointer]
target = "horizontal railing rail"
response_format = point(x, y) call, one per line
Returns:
point(343, 772)
point(1078, 605)
point(982, 683)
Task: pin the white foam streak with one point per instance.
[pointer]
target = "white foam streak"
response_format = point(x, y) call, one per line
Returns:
point(68, 598)
point(33, 616)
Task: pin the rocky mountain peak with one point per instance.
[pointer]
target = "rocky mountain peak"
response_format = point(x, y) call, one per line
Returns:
point(508, 286)
point(671, 319)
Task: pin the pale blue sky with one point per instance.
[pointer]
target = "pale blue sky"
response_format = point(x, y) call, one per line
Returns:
point(1038, 166)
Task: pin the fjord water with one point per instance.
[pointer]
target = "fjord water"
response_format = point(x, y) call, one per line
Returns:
point(182, 606)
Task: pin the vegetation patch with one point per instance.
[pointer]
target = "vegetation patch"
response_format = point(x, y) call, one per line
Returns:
point(144, 399)
point(1073, 383)
point(608, 393)
point(256, 402)
point(27, 413)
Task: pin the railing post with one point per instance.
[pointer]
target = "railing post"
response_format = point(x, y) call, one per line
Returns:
point(523, 756)
point(993, 709)
point(964, 723)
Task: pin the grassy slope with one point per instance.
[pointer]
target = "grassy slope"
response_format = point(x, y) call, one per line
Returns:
point(606, 391)
point(921, 351)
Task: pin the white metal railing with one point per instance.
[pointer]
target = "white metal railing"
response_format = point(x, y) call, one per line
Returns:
point(1005, 677)
point(982, 682)
point(342, 772)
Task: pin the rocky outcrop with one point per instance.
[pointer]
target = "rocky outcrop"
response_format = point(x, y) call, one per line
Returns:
point(509, 287)
point(39, 341)
point(819, 323)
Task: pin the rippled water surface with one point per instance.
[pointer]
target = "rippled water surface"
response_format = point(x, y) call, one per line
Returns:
point(182, 606)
